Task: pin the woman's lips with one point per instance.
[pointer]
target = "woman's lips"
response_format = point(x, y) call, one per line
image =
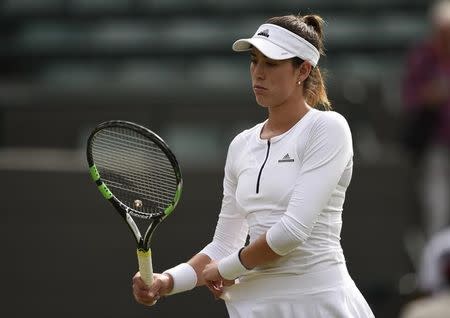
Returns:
point(259, 88)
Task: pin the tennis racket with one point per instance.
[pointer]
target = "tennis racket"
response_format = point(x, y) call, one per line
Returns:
point(137, 173)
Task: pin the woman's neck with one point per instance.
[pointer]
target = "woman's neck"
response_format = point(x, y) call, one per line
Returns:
point(282, 118)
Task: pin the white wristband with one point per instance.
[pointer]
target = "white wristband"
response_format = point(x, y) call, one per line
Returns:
point(184, 278)
point(231, 267)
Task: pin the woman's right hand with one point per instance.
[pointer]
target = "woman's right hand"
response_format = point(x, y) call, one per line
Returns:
point(148, 295)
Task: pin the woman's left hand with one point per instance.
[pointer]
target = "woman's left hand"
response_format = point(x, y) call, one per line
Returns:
point(213, 280)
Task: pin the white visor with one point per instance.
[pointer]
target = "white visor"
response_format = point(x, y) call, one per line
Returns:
point(278, 43)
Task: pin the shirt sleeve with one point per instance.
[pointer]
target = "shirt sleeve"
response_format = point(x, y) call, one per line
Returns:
point(231, 229)
point(327, 153)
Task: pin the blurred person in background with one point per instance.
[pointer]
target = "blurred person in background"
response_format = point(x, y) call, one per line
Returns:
point(434, 280)
point(285, 183)
point(427, 99)
point(430, 278)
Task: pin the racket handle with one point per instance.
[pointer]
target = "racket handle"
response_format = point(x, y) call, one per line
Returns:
point(145, 266)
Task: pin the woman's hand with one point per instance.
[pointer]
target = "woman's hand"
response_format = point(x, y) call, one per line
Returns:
point(214, 281)
point(148, 295)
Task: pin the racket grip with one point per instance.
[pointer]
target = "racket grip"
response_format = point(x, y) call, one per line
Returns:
point(145, 266)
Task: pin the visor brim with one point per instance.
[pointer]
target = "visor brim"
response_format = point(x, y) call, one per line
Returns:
point(266, 47)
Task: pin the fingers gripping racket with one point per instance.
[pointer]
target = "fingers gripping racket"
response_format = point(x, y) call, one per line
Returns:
point(135, 170)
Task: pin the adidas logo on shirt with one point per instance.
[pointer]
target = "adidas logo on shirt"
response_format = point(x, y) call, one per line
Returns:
point(286, 158)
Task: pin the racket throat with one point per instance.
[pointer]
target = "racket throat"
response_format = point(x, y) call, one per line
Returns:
point(144, 242)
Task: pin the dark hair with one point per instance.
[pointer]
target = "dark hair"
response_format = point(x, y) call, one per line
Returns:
point(309, 27)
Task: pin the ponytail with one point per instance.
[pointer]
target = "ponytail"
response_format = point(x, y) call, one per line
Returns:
point(315, 90)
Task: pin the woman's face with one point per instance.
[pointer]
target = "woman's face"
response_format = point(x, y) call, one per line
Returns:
point(274, 82)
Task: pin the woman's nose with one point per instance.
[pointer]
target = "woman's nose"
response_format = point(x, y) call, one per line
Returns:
point(258, 71)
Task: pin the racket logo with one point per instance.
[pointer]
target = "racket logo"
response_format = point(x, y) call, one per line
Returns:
point(145, 209)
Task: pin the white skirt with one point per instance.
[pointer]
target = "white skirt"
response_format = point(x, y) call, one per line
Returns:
point(326, 294)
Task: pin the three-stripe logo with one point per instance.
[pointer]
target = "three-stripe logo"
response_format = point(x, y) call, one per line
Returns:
point(286, 158)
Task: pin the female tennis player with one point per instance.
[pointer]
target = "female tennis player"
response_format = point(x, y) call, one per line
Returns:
point(284, 185)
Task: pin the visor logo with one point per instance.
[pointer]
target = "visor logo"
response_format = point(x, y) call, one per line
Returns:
point(264, 33)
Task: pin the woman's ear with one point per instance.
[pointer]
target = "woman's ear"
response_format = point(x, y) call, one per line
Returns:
point(304, 70)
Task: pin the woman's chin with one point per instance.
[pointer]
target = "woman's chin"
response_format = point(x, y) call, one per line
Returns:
point(261, 102)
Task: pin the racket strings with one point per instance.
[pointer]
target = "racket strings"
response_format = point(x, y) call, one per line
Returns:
point(150, 191)
point(141, 171)
point(139, 146)
point(141, 166)
point(162, 199)
point(144, 158)
point(134, 168)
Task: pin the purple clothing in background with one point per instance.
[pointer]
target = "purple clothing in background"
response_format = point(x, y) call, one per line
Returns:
point(424, 65)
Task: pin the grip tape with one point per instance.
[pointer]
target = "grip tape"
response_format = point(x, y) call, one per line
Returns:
point(145, 266)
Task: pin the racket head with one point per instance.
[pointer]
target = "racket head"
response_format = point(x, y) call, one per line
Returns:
point(134, 169)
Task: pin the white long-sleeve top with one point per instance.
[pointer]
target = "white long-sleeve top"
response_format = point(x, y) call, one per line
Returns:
point(292, 187)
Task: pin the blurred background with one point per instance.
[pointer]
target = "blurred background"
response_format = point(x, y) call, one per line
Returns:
point(67, 65)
